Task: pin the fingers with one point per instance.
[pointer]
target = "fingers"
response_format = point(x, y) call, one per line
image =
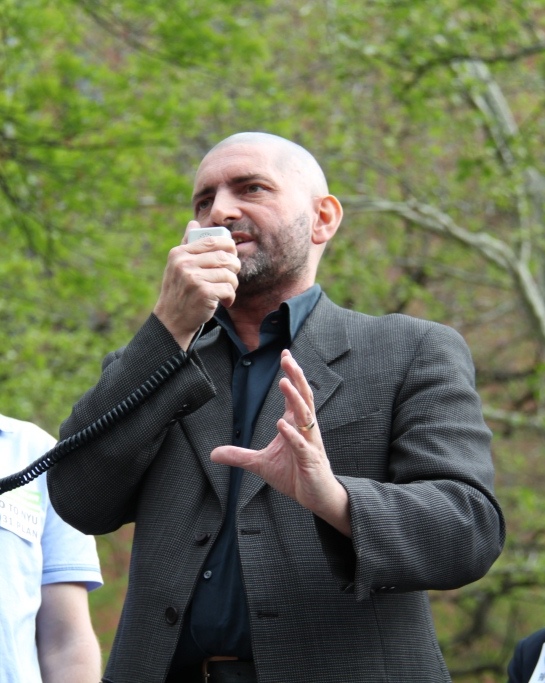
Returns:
point(297, 377)
point(195, 263)
point(303, 416)
point(197, 277)
point(198, 271)
point(209, 253)
point(209, 261)
point(209, 275)
point(298, 395)
point(205, 244)
point(206, 248)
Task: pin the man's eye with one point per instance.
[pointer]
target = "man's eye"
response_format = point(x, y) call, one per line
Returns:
point(254, 188)
point(202, 205)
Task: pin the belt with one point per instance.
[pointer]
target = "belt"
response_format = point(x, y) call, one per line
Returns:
point(219, 670)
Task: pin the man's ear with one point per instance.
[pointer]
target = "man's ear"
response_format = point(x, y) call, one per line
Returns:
point(329, 214)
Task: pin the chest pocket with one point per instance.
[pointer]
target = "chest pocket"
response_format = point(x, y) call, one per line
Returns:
point(359, 447)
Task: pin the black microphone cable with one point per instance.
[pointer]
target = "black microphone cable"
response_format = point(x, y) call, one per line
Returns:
point(62, 448)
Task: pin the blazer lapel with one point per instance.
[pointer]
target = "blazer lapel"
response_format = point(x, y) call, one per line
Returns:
point(212, 424)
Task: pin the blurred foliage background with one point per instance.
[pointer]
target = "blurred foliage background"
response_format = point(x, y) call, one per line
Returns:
point(428, 119)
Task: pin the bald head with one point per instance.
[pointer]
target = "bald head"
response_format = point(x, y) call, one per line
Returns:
point(287, 156)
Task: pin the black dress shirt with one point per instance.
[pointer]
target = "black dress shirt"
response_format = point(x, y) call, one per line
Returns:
point(217, 622)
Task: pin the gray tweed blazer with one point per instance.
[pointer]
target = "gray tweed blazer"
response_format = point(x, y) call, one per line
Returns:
point(402, 426)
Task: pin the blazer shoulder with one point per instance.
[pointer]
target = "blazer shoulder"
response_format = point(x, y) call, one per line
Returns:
point(394, 328)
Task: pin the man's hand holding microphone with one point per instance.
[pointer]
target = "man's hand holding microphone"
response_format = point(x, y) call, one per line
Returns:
point(200, 273)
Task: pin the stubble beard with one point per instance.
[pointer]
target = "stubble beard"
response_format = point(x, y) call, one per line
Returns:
point(282, 258)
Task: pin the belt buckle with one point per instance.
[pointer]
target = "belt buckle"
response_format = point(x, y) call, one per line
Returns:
point(205, 673)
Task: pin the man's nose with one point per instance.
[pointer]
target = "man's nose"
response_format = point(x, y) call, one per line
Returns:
point(225, 208)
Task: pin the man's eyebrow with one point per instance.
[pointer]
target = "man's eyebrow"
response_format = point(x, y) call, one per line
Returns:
point(246, 178)
point(202, 193)
point(237, 180)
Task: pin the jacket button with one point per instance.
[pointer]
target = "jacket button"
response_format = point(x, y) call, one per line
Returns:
point(171, 615)
point(202, 537)
point(184, 410)
point(179, 414)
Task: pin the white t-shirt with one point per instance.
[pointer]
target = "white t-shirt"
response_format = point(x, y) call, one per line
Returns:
point(36, 548)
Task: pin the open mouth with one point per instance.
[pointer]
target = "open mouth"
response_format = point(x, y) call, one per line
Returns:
point(241, 238)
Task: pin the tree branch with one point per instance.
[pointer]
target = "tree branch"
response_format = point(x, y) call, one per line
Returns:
point(490, 248)
point(449, 58)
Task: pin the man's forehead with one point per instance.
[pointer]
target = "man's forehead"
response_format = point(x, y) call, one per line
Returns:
point(238, 153)
point(236, 161)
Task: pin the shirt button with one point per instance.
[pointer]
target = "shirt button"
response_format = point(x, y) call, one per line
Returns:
point(207, 574)
point(246, 362)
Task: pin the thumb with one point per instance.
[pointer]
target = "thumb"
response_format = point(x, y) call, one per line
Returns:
point(234, 456)
point(192, 225)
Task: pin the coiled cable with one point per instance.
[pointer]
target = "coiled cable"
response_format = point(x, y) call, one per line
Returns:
point(62, 448)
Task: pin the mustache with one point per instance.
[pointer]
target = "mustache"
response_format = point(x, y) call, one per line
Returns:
point(245, 226)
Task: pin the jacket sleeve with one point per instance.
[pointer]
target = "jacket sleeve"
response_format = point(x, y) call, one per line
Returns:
point(433, 523)
point(94, 488)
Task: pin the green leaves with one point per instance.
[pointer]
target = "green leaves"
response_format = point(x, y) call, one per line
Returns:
point(107, 107)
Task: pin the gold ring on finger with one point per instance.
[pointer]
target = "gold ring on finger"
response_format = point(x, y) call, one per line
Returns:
point(306, 428)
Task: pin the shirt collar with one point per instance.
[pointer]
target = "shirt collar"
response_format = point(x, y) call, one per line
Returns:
point(295, 311)
point(299, 308)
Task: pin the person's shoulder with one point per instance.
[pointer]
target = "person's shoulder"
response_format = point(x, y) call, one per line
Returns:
point(536, 639)
point(397, 324)
point(8, 425)
point(22, 441)
point(11, 425)
point(526, 657)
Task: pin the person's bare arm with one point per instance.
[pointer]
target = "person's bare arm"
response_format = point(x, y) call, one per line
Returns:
point(68, 649)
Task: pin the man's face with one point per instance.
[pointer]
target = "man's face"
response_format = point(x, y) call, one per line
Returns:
point(267, 207)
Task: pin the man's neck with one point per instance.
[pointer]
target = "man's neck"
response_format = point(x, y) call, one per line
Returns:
point(248, 312)
point(247, 321)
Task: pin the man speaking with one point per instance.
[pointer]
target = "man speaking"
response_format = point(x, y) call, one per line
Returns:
point(309, 473)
